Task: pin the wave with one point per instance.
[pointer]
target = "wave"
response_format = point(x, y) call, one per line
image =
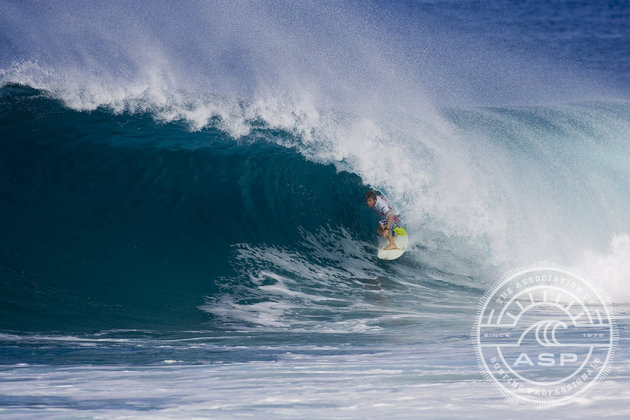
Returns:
point(195, 161)
point(133, 222)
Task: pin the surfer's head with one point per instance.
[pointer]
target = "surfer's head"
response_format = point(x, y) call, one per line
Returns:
point(370, 198)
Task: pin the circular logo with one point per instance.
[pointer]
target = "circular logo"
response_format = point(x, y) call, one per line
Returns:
point(544, 335)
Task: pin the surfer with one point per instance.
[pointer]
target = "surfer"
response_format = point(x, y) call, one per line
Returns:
point(388, 221)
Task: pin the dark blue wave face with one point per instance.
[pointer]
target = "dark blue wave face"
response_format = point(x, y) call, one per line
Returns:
point(118, 221)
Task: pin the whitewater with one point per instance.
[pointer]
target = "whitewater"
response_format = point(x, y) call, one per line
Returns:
point(183, 232)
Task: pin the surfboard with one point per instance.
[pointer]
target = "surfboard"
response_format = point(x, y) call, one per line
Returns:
point(402, 241)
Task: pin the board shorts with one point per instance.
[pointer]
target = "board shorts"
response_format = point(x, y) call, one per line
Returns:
point(394, 225)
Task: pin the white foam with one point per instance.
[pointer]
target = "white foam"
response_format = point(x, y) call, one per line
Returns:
point(424, 381)
point(610, 269)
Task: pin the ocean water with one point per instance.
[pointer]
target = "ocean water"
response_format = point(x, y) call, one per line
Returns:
point(182, 226)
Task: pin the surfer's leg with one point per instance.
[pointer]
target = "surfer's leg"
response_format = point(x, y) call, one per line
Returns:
point(390, 237)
